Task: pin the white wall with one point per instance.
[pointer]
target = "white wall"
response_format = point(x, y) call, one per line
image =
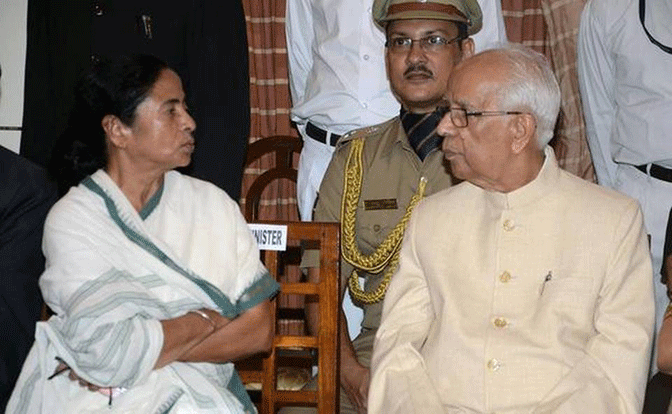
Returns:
point(13, 15)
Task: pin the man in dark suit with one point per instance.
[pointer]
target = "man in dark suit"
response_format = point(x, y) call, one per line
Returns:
point(26, 195)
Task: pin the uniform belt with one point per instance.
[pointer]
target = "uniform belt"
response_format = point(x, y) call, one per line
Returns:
point(656, 171)
point(320, 134)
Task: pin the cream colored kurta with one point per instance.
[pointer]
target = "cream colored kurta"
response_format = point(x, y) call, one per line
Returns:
point(539, 300)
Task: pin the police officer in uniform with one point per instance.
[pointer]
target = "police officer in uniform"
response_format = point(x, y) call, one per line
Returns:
point(378, 174)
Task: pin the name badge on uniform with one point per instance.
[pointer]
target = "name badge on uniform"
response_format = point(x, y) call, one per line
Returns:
point(383, 204)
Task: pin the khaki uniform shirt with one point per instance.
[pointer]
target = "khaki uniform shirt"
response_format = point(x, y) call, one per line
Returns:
point(535, 301)
point(391, 173)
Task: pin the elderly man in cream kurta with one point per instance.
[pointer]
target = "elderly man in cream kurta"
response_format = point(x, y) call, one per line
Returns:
point(524, 289)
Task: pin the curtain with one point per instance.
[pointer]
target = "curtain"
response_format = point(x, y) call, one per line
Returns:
point(551, 27)
point(270, 104)
point(270, 101)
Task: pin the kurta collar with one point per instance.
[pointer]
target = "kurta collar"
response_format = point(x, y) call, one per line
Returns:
point(532, 191)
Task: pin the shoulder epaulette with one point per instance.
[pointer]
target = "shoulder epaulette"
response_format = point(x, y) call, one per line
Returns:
point(358, 133)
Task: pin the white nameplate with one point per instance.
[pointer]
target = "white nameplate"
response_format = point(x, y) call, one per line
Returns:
point(270, 236)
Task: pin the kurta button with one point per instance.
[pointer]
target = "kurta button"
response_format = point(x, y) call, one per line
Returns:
point(505, 277)
point(494, 365)
point(500, 322)
point(508, 225)
point(376, 227)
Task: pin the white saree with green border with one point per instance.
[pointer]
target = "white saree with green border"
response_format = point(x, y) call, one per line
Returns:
point(112, 274)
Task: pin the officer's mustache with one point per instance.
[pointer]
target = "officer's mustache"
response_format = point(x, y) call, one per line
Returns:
point(418, 69)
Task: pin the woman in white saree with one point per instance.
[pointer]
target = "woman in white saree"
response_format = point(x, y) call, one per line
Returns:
point(153, 276)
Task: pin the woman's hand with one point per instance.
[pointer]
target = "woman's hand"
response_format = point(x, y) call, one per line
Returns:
point(62, 367)
point(219, 320)
point(249, 333)
point(183, 333)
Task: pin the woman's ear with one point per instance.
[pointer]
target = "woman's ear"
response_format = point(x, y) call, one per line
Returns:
point(523, 129)
point(116, 132)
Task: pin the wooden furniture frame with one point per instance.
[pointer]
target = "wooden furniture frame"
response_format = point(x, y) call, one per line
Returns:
point(326, 237)
point(284, 147)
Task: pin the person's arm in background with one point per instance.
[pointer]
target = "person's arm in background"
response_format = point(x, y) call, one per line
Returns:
point(596, 83)
point(26, 195)
point(300, 37)
point(354, 377)
point(664, 357)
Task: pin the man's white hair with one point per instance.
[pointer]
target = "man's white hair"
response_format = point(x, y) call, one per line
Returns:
point(530, 86)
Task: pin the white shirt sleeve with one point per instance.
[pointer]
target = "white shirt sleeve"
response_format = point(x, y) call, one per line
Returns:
point(493, 31)
point(300, 37)
point(597, 83)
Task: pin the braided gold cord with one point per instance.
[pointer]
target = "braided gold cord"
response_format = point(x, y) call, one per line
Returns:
point(369, 298)
point(387, 253)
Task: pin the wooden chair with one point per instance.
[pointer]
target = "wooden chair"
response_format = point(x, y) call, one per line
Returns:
point(281, 151)
point(284, 147)
point(325, 237)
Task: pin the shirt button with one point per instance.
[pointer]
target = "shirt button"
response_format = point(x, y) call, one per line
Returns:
point(505, 277)
point(494, 365)
point(376, 227)
point(366, 57)
point(97, 9)
point(365, 105)
point(500, 322)
point(508, 225)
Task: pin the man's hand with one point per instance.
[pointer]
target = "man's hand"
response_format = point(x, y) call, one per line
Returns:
point(355, 381)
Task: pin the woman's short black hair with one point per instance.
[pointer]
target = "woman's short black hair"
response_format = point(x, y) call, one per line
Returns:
point(112, 87)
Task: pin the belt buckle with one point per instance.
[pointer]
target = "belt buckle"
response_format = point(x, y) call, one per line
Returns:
point(320, 135)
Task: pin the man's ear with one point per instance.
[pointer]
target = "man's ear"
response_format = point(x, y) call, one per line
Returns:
point(115, 130)
point(523, 128)
point(468, 48)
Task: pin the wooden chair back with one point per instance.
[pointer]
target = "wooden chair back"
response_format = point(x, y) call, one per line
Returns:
point(284, 147)
point(326, 238)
